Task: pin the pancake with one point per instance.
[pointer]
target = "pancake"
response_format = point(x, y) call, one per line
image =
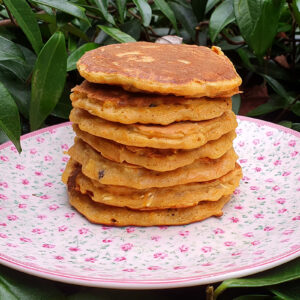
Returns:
point(116, 105)
point(153, 198)
point(118, 216)
point(182, 70)
point(182, 135)
point(105, 171)
point(156, 159)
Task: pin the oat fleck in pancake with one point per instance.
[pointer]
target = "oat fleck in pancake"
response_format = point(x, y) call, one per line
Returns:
point(116, 105)
point(105, 171)
point(181, 135)
point(121, 216)
point(179, 196)
point(182, 70)
point(156, 159)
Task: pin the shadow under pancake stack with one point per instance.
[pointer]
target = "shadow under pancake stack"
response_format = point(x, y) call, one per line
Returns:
point(154, 135)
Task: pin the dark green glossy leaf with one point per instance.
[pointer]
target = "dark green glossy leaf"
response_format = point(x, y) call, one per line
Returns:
point(287, 291)
point(9, 118)
point(184, 14)
point(273, 104)
point(10, 51)
point(287, 124)
point(221, 17)
point(65, 6)
point(27, 21)
point(121, 5)
point(236, 103)
point(296, 108)
point(198, 7)
point(133, 28)
point(284, 273)
point(117, 34)
point(48, 79)
point(145, 10)
point(245, 57)
point(63, 19)
point(296, 10)
point(102, 5)
point(74, 56)
point(296, 126)
point(3, 137)
point(210, 4)
point(258, 22)
point(167, 11)
point(64, 106)
point(75, 31)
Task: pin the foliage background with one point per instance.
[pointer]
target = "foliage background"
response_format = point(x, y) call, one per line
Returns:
point(41, 40)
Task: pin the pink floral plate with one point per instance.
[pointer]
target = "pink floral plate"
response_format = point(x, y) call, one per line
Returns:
point(42, 235)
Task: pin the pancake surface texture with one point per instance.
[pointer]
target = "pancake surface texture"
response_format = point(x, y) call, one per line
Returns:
point(189, 70)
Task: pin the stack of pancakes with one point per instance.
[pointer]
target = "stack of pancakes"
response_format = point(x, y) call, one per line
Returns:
point(154, 131)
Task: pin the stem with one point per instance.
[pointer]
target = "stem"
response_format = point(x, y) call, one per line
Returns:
point(231, 41)
point(10, 15)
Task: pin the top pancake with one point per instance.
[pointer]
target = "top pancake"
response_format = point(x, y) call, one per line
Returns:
point(182, 70)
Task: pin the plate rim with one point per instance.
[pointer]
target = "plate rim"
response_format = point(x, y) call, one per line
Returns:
point(153, 284)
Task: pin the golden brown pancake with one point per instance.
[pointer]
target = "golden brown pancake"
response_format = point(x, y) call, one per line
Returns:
point(156, 159)
point(181, 135)
point(119, 216)
point(105, 171)
point(179, 196)
point(182, 70)
point(114, 104)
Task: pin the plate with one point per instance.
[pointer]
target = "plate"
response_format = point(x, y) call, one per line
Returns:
point(42, 235)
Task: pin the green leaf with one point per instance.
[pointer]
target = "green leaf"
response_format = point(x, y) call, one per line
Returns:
point(65, 6)
point(133, 28)
point(258, 22)
point(210, 4)
point(121, 5)
point(296, 108)
point(102, 5)
point(184, 14)
point(287, 124)
point(296, 10)
point(198, 7)
point(287, 291)
point(245, 57)
point(296, 126)
point(10, 51)
point(9, 117)
point(48, 79)
point(75, 31)
point(145, 11)
point(236, 103)
point(27, 21)
point(284, 273)
point(64, 106)
point(221, 17)
point(74, 56)
point(167, 11)
point(117, 34)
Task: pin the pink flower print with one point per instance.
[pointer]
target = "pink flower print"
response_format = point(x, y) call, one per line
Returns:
point(52, 131)
point(285, 241)
point(259, 252)
point(3, 197)
point(33, 151)
point(20, 167)
point(234, 220)
point(106, 228)
point(163, 227)
point(260, 157)
point(160, 255)
point(281, 200)
point(4, 184)
point(254, 188)
point(286, 173)
point(13, 149)
point(155, 238)
point(206, 249)
point(4, 158)
point(238, 207)
point(269, 180)
point(242, 161)
point(179, 267)
point(90, 259)
point(106, 241)
point(25, 197)
point(128, 270)
point(296, 218)
point(69, 215)
point(229, 244)
point(37, 173)
point(259, 216)
point(74, 249)
point(236, 254)
point(64, 147)
point(41, 217)
point(276, 143)
point(38, 230)
point(121, 258)
point(53, 207)
point(25, 182)
point(254, 243)
point(22, 205)
point(257, 169)
point(256, 141)
point(49, 184)
point(127, 246)
point(30, 257)
point(292, 143)
point(153, 268)
point(248, 234)
point(281, 211)
point(183, 248)
point(295, 247)
point(12, 217)
point(218, 231)
point(45, 197)
point(62, 228)
point(288, 231)
point(277, 162)
point(83, 230)
point(130, 229)
point(237, 192)
point(207, 264)
point(184, 233)
point(58, 257)
point(3, 224)
point(275, 188)
point(11, 245)
point(245, 178)
point(48, 246)
point(238, 131)
point(241, 144)
point(48, 158)
point(3, 236)
point(294, 153)
point(40, 139)
point(269, 133)
point(25, 240)
point(65, 159)
point(261, 198)
point(268, 228)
